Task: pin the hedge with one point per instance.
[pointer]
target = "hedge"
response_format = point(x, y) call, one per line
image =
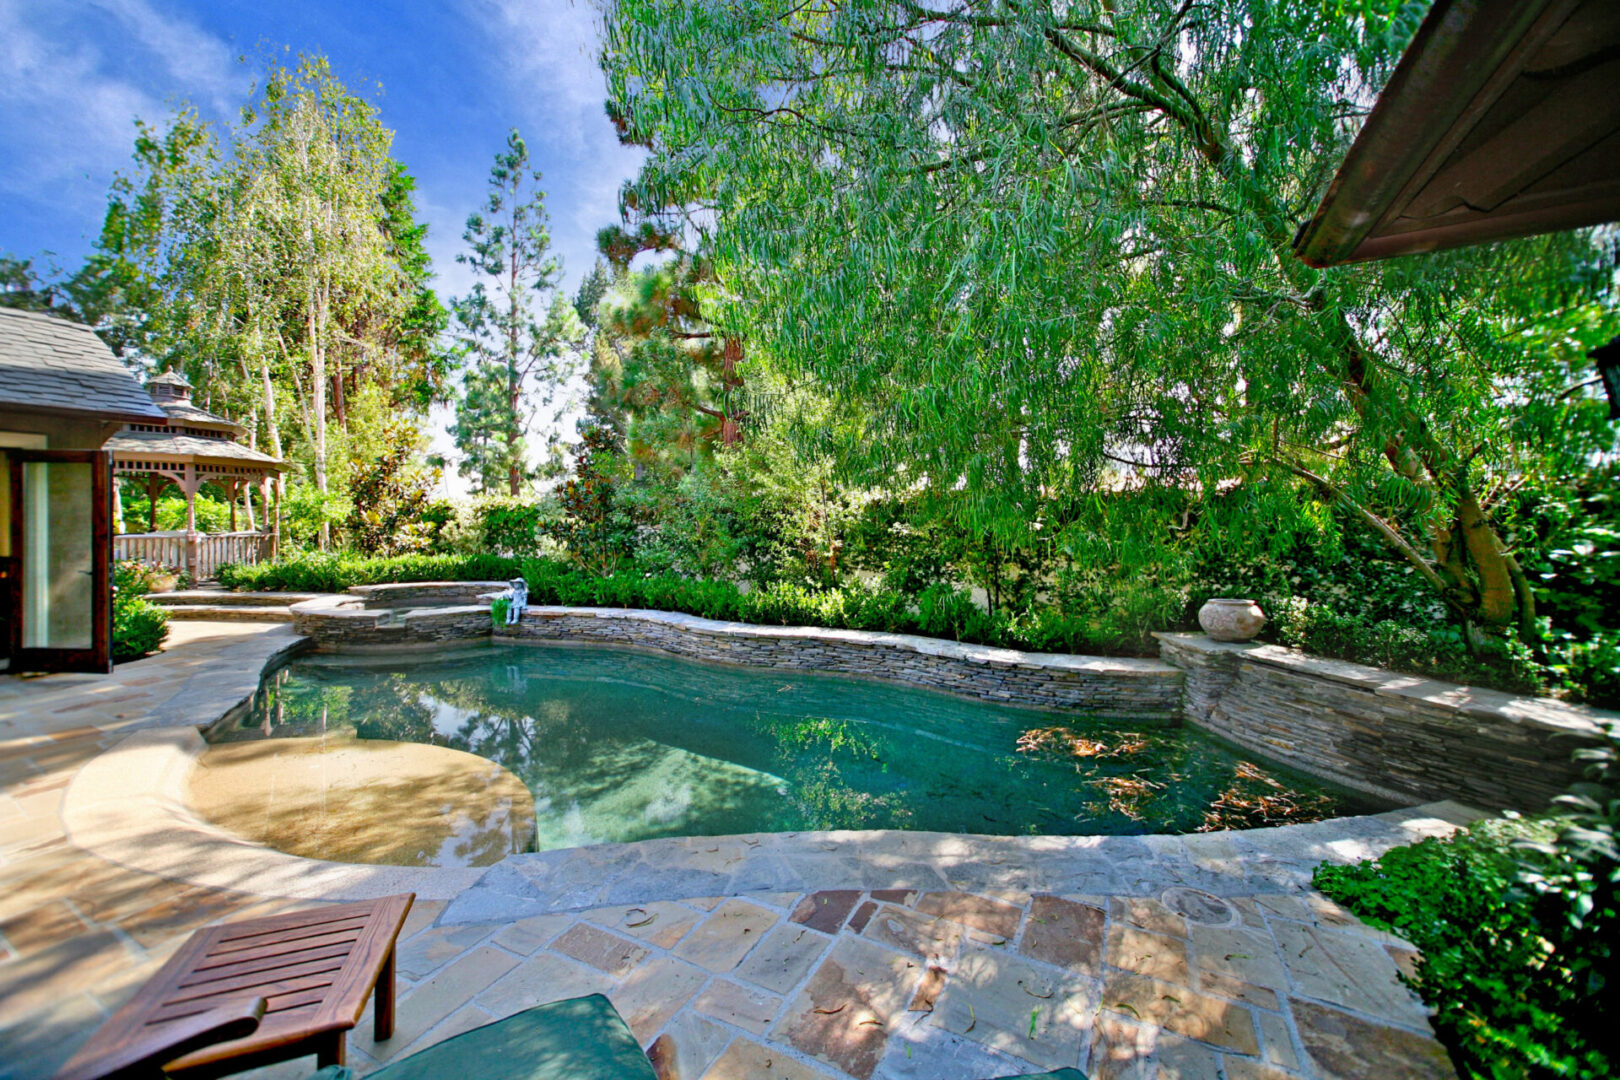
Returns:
point(938, 611)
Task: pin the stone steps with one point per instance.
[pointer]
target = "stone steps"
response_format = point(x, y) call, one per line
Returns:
point(229, 612)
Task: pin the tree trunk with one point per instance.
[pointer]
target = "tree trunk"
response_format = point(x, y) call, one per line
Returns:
point(317, 358)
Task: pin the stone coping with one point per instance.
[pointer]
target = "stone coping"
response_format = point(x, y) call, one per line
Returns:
point(1484, 704)
point(128, 806)
point(927, 646)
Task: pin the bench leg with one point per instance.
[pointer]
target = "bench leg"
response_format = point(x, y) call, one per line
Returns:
point(382, 999)
point(332, 1051)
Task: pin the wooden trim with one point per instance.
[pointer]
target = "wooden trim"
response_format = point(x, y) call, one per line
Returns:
point(97, 658)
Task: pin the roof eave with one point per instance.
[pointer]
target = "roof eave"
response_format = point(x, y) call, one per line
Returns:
point(111, 416)
point(1460, 50)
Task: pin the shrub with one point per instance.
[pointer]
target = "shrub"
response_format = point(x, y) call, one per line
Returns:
point(509, 526)
point(1516, 922)
point(139, 626)
point(317, 571)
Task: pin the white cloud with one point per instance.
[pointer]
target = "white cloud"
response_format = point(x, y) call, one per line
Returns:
point(194, 58)
point(547, 56)
point(72, 84)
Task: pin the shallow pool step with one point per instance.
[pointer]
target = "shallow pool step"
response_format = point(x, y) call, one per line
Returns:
point(228, 612)
point(221, 598)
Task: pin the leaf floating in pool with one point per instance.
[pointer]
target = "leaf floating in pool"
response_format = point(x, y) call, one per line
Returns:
point(1256, 799)
point(1061, 742)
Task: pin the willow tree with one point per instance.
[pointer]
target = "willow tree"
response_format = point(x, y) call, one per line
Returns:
point(1033, 244)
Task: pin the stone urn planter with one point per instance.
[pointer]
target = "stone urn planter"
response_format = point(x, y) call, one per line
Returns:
point(1228, 619)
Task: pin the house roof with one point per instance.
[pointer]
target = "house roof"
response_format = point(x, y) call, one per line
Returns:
point(131, 446)
point(1500, 120)
point(48, 364)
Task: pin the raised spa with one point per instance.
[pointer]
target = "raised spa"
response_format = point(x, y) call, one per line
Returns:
point(429, 760)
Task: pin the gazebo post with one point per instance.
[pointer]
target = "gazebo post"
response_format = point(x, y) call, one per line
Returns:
point(155, 483)
point(232, 489)
point(189, 486)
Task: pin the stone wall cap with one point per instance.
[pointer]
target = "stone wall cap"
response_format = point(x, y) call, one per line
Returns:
point(1474, 701)
point(386, 587)
point(1112, 665)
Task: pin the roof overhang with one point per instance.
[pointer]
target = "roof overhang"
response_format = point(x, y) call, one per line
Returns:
point(107, 416)
point(1501, 120)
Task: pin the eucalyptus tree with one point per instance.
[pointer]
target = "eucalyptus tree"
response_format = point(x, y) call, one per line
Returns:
point(317, 167)
point(517, 331)
point(1045, 247)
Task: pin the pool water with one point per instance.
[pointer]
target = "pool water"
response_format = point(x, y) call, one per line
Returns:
point(619, 745)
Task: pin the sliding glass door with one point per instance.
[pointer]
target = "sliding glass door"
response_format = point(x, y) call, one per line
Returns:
point(61, 546)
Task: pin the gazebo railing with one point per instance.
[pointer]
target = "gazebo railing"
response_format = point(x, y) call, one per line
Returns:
point(207, 551)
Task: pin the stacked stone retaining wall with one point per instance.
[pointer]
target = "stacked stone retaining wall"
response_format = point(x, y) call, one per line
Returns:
point(1399, 737)
point(1146, 690)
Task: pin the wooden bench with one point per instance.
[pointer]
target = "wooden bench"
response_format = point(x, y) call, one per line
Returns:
point(313, 971)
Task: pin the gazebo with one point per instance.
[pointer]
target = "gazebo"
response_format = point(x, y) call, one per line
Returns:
point(190, 448)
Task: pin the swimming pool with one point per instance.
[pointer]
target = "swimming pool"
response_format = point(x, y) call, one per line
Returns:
point(618, 745)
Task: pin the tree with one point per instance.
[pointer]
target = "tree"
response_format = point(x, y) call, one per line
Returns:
point(520, 353)
point(662, 368)
point(590, 293)
point(22, 288)
point(279, 265)
point(428, 365)
point(1028, 247)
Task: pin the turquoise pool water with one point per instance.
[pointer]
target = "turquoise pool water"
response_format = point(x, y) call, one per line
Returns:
point(618, 745)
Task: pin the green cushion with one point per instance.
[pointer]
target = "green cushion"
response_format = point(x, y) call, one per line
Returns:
point(578, 1039)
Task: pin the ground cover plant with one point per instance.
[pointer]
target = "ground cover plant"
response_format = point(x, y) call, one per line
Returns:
point(1516, 920)
point(138, 625)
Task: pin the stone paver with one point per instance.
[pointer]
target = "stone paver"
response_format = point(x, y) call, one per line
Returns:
point(1135, 968)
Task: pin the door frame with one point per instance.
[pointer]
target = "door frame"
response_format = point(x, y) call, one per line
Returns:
point(97, 658)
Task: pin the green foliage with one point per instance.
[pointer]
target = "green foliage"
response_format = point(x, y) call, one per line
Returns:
point(278, 264)
point(498, 609)
point(213, 515)
point(1515, 920)
point(1030, 256)
point(509, 526)
point(307, 512)
point(325, 571)
point(139, 626)
point(390, 494)
point(1574, 883)
point(597, 529)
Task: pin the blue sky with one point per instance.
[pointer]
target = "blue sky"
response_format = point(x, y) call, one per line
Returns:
point(454, 77)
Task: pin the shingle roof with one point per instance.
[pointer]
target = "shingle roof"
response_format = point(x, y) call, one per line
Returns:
point(50, 363)
point(185, 414)
point(144, 444)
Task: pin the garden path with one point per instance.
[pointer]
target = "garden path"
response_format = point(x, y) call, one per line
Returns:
point(889, 983)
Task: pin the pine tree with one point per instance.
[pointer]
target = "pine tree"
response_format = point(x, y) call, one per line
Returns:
point(520, 349)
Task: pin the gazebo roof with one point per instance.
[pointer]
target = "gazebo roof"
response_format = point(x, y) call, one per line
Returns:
point(185, 414)
point(129, 447)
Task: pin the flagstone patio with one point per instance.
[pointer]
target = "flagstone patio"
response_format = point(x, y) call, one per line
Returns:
point(1138, 975)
